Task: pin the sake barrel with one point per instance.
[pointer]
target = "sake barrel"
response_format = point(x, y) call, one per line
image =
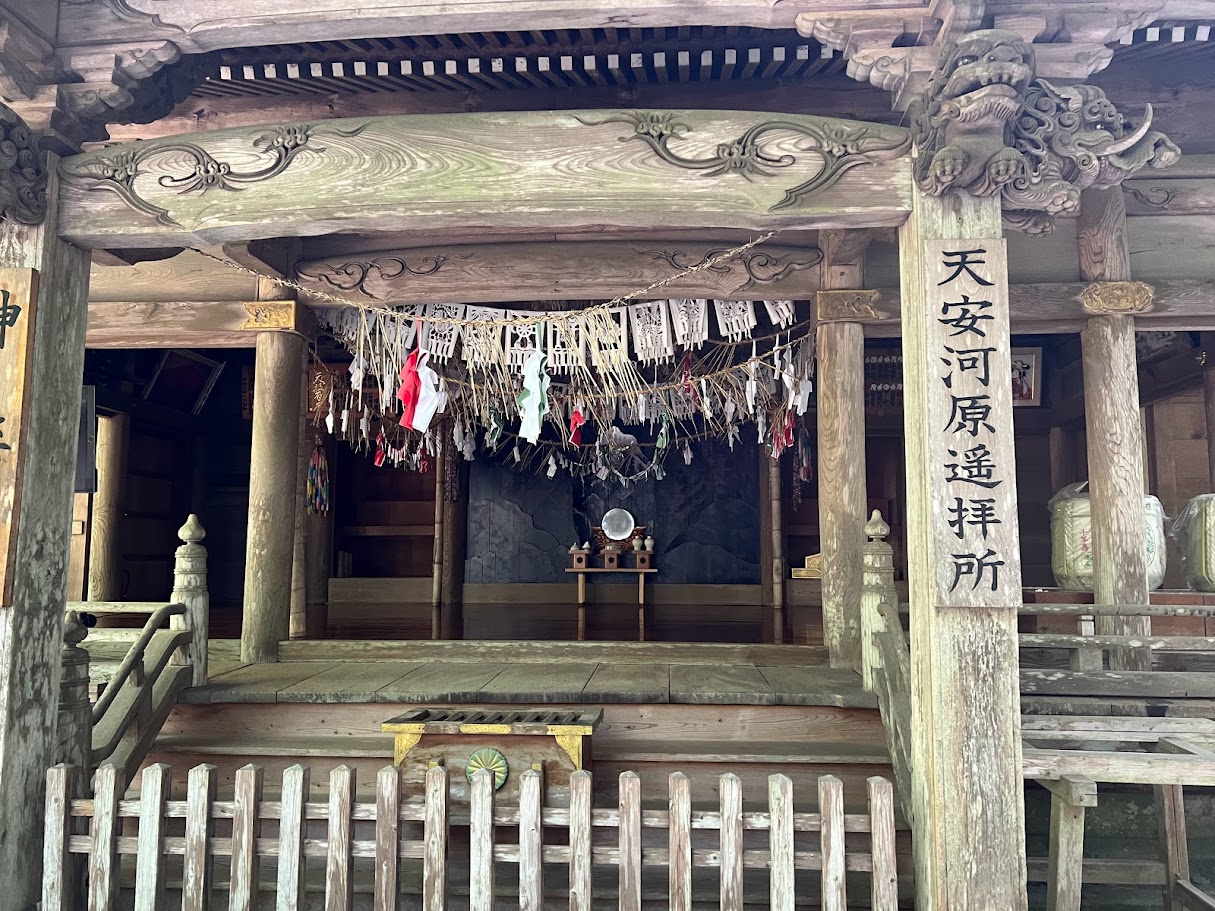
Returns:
point(1071, 535)
point(1194, 532)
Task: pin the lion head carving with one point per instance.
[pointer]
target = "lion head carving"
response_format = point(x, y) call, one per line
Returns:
point(973, 97)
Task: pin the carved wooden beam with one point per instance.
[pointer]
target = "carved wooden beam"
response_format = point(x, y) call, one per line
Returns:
point(515, 171)
point(590, 270)
point(203, 25)
point(1053, 308)
point(192, 324)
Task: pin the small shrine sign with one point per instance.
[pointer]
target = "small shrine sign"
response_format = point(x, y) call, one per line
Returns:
point(970, 412)
point(18, 294)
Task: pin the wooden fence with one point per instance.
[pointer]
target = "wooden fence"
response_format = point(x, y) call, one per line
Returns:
point(420, 846)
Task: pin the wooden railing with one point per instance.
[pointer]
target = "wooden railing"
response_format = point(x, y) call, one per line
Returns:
point(1087, 650)
point(393, 845)
point(885, 657)
point(160, 663)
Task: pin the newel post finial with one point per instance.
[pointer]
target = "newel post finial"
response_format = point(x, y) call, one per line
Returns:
point(877, 588)
point(192, 532)
point(876, 528)
point(190, 589)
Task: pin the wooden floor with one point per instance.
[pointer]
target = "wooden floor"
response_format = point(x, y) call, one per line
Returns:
point(328, 671)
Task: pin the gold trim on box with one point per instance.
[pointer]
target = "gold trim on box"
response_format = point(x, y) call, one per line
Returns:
point(812, 570)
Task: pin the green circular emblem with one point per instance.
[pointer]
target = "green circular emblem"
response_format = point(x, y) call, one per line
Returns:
point(488, 758)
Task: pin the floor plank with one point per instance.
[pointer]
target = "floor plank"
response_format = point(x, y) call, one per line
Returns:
point(441, 682)
point(347, 682)
point(817, 686)
point(624, 683)
point(532, 683)
point(255, 682)
point(715, 685)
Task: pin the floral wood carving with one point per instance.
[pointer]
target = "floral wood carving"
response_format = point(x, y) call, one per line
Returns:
point(845, 305)
point(186, 167)
point(842, 146)
point(22, 171)
point(761, 267)
point(1117, 297)
point(988, 126)
point(353, 276)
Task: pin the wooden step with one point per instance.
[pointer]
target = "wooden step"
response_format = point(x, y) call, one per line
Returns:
point(1140, 684)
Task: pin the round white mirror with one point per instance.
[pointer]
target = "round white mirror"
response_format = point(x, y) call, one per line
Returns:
point(618, 524)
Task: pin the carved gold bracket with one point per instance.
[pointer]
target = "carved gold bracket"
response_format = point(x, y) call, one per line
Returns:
point(289, 316)
point(1117, 297)
point(836, 306)
point(402, 744)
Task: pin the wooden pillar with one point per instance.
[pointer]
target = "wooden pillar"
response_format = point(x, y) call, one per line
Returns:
point(841, 485)
point(963, 557)
point(273, 471)
point(318, 560)
point(455, 545)
point(105, 557)
point(840, 347)
point(1208, 397)
point(1114, 429)
point(43, 367)
point(298, 625)
point(436, 569)
point(776, 525)
point(190, 589)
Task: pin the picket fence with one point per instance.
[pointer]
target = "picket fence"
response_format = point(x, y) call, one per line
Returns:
point(203, 846)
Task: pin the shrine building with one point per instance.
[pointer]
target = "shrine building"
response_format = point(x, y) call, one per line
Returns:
point(735, 454)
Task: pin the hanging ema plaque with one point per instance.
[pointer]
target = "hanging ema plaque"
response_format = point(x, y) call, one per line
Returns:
point(18, 291)
point(970, 424)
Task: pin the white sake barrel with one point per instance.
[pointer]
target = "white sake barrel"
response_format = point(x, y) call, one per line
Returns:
point(1071, 536)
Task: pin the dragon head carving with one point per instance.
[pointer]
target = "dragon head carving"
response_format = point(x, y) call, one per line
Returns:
point(973, 98)
point(1073, 138)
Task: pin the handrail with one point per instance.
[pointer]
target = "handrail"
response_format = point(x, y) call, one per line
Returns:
point(115, 607)
point(1119, 610)
point(132, 662)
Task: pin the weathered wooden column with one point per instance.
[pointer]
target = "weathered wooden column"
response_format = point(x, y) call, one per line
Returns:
point(455, 542)
point(1111, 412)
point(298, 624)
point(113, 435)
point(776, 534)
point(1208, 401)
point(840, 347)
point(272, 482)
point(43, 289)
point(964, 563)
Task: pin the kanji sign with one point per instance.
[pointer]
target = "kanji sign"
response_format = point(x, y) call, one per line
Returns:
point(971, 435)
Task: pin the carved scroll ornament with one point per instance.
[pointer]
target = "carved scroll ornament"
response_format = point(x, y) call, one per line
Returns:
point(22, 171)
point(186, 167)
point(841, 146)
point(353, 275)
point(988, 126)
point(761, 267)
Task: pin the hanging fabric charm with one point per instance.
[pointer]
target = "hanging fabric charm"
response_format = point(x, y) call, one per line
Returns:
point(577, 419)
point(533, 400)
point(410, 385)
point(318, 482)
